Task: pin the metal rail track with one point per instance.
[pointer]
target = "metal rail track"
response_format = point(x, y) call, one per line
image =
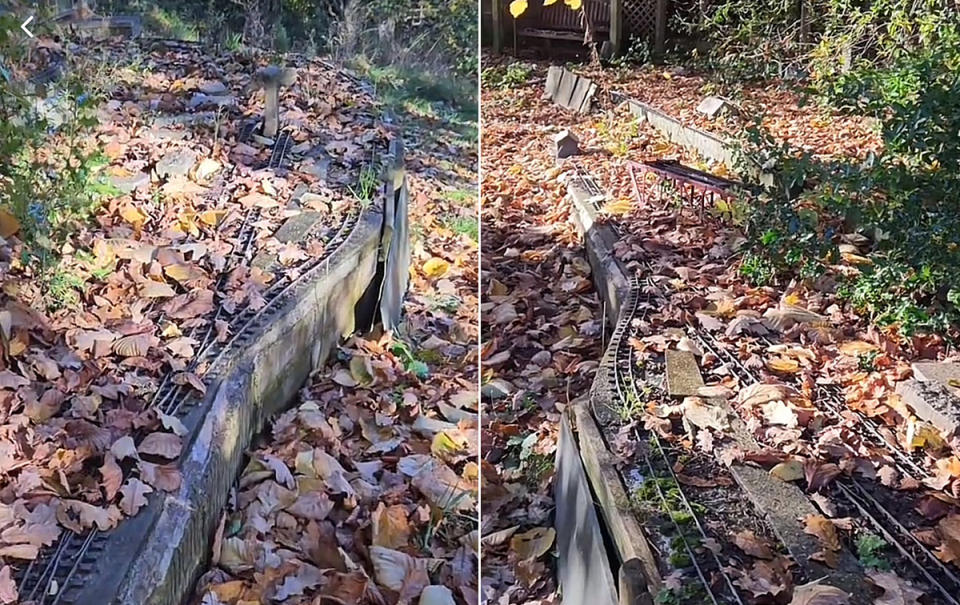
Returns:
point(622, 380)
point(47, 577)
point(859, 498)
point(921, 558)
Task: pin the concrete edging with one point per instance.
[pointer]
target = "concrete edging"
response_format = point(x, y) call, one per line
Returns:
point(155, 557)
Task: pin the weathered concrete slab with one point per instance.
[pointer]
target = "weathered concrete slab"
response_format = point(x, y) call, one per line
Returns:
point(707, 145)
point(933, 402)
point(683, 373)
point(554, 73)
point(941, 372)
point(608, 274)
point(568, 83)
point(298, 227)
point(155, 557)
point(713, 107)
point(583, 567)
point(176, 163)
point(130, 183)
point(565, 144)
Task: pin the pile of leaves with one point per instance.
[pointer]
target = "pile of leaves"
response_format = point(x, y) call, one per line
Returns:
point(134, 289)
point(366, 491)
point(540, 330)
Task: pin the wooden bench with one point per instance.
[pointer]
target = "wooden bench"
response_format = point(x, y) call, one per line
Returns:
point(559, 22)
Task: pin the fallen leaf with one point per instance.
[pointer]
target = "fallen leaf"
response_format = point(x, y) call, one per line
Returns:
point(534, 543)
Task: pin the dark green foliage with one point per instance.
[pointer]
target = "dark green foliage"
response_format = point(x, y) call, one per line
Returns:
point(49, 177)
point(905, 201)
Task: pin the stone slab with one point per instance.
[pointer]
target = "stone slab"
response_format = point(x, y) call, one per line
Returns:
point(155, 557)
point(583, 567)
point(176, 163)
point(565, 144)
point(941, 372)
point(713, 107)
point(298, 227)
point(579, 96)
point(933, 402)
point(127, 184)
point(683, 373)
point(568, 83)
point(554, 73)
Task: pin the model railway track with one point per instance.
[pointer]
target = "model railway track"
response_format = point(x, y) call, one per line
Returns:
point(46, 579)
point(622, 380)
point(922, 559)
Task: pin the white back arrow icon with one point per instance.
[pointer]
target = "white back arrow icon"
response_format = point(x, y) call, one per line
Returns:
point(24, 25)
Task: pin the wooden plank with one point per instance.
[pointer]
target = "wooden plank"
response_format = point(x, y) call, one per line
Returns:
point(618, 514)
point(583, 565)
point(616, 26)
point(660, 28)
point(498, 26)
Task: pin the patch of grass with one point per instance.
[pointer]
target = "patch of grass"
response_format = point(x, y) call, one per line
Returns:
point(462, 197)
point(503, 77)
point(63, 289)
point(366, 187)
point(464, 225)
point(411, 361)
point(423, 93)
point(870, 548)
point(169, 23)
point(234, 42)
point(630, 407)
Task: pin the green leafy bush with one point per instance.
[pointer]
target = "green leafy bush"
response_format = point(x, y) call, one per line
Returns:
point(49, 176)
point(905, 202)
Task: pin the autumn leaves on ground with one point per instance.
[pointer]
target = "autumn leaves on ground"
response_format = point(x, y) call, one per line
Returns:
point(368, 487)
point(826, 376)
point(366, 490)
point(541, 328)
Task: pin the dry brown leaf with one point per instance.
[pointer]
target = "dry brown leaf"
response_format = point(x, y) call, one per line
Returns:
point(165, 445)
point(534, 543)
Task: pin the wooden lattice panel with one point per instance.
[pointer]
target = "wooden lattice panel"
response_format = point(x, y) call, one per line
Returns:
point(639, 18)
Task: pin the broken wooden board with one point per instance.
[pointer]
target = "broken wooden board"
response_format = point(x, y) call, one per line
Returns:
point(569, 90)
point(583, 566)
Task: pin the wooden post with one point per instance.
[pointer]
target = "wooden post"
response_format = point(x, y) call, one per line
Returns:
point(497, 25)
point(660, 28)
point(616, 27)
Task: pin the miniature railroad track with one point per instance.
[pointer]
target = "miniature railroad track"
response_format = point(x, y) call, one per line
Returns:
point(621, 380)
point(922, 559)
point(47, 579)
point(940, 580)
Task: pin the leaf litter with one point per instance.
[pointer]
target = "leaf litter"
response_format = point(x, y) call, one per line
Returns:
point(800, 340)
point(163, 261)
point(366, 491)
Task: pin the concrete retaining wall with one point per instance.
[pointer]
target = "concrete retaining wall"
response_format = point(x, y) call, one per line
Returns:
point(155, 557)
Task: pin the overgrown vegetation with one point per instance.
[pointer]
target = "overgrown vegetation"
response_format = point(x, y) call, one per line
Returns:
point(50, 178)
point(892, 218)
